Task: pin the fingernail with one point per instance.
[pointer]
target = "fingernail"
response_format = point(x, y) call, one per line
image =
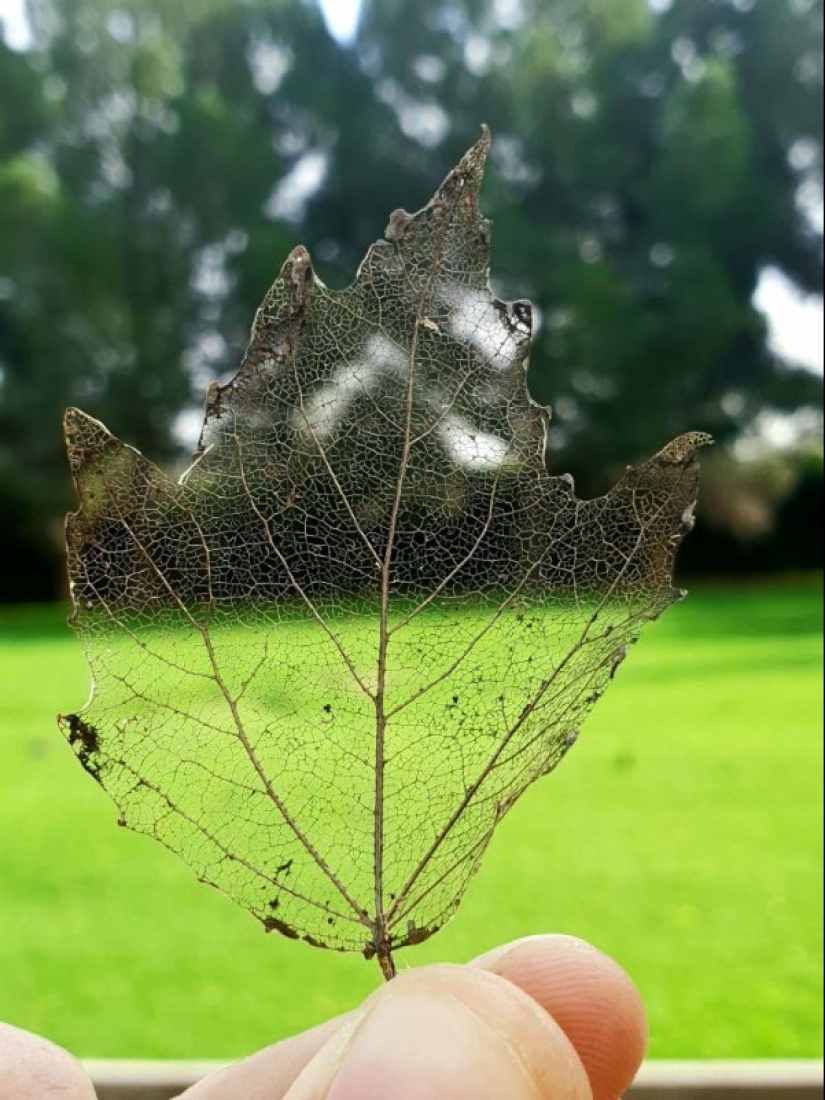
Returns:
point(415, 1044)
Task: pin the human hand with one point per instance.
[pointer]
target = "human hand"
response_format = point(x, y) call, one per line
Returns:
point(543, 1019)
point(32, 1068)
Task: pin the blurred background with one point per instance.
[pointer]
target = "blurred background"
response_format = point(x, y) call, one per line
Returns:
point(656, 184)
point(657, 188)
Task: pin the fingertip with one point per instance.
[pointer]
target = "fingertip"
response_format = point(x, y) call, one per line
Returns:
point(32, 1068)
point(590, 996)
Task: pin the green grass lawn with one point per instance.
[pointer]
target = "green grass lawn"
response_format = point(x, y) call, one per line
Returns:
point(683, 835)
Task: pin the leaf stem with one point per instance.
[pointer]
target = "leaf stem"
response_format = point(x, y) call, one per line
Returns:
point(387, 964)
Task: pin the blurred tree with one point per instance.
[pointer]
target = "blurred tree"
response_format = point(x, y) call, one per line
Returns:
point(649, 169)
point(158, 161)
point(136, 171)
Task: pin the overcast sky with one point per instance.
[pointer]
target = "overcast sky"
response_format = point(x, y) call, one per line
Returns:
point(796, 320)
point(341, 16)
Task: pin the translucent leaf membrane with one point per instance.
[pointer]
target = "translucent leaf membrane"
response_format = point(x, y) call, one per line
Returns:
point(329, 660)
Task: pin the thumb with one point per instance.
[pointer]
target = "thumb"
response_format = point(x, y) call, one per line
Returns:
point(447, 1032)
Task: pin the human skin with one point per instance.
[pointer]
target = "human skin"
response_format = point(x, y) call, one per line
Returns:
point(32, 1068)
point(549, 1018)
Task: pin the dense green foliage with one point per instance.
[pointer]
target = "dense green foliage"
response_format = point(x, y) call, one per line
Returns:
point(683, 836)
point(648, 167)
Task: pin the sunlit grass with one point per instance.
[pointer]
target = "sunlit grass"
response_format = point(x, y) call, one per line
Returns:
point(682, 835)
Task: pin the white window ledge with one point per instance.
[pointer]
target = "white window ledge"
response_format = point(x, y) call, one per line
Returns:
point(658, 1080)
